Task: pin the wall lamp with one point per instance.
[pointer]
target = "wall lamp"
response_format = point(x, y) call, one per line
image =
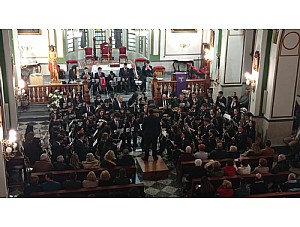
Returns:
point(250, 81)
point(10, 145)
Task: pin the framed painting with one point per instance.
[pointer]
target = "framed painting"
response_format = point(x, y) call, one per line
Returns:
point(29, 31)
point(184, 30)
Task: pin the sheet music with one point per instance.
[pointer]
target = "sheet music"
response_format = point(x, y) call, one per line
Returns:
point(95, 142)
point(127, 129)
point(132, 129)
point(95, 133)
point(227, 116)
point(164, 133)
point(119, 145)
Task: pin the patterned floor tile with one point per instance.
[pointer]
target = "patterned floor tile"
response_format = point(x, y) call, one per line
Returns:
point(169, 189)
point(148, 183)
point(151, 191)
point(162, 194)
point(165, 181)
point(158, 186)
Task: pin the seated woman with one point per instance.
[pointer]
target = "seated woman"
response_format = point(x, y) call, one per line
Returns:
point(105, 179)
point(214, 169)
point(205, 189)
point(109, 160)
point(122, 178)
point(75, 163)
point(90, 162)
point(254, 151)
point(225, 189)
point(262, 167)
point(244, 168)
point(91, 180)
point(230, 168)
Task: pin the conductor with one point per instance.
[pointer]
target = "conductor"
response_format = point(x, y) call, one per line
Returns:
point(151, 130)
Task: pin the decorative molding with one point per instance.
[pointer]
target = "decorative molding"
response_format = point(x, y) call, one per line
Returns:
point(29, 31)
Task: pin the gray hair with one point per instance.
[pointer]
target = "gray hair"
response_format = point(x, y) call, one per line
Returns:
point(198, 162)
point(44, 157)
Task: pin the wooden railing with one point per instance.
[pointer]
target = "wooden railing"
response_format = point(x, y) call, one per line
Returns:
point(199, 86)
point(39, 93)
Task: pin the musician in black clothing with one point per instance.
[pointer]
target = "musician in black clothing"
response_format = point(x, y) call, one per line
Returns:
point(133, 103)
point(221, 102)
point(131, 131)
point(151, 130)
point(80, 147)
point(96, 80)
point(72, 74)
point(124, 74)
point(241, 139)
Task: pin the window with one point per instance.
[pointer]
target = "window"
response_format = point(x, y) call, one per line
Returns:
point(131, 37)
point(70, 41)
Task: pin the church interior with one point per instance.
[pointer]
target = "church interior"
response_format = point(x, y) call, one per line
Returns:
point(149, 113)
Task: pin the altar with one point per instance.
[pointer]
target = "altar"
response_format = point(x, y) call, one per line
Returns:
point(106, 68)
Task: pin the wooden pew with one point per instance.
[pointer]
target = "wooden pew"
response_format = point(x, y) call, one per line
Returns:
point(114, 191)
point(186, 166)
point(295, 194)
point(61, 176)
point(235, 180)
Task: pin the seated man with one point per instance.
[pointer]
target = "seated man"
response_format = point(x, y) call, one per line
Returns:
point(259, 186)
point(292, 140)
point(281, 166)
point(43, 165)
point(292, 184)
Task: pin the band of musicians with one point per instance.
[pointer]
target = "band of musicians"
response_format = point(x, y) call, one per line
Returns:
point(165, 127)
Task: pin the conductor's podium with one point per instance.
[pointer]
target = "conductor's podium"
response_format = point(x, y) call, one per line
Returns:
point(151, 170)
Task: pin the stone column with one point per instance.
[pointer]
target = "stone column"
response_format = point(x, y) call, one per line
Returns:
point(281, 85)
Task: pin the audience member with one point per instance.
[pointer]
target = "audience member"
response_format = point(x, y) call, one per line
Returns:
point(122, 178)
point(243, 190)
point(205, 189)
point(126, 159)
point(230, 168)
point(105, 179)
point(60, 164)
point(244, 168)
point(215, 170)
point(72, 182)
point(201, 154)
point(268, 151)
point(43, 165)
point(109, 160)
point(259, 186)
point(281, 166)
point(50, 184)
point(292, 184)
point(75, 163)
point(225, 189)
point(197, 172)
point(233, 152)
point(90, 162)
point(91, 180)
point(218, 153)
point(262, 166)
point(33, 186)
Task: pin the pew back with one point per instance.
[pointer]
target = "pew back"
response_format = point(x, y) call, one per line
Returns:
point(61, 176)
point(114, 191)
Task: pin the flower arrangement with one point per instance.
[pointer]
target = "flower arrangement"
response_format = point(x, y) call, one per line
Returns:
point(54, 97)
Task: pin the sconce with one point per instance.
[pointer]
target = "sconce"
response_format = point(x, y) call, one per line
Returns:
point(10, 145)
point(250, 81)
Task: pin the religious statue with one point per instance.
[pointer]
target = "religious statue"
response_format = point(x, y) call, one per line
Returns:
point(52, 64)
